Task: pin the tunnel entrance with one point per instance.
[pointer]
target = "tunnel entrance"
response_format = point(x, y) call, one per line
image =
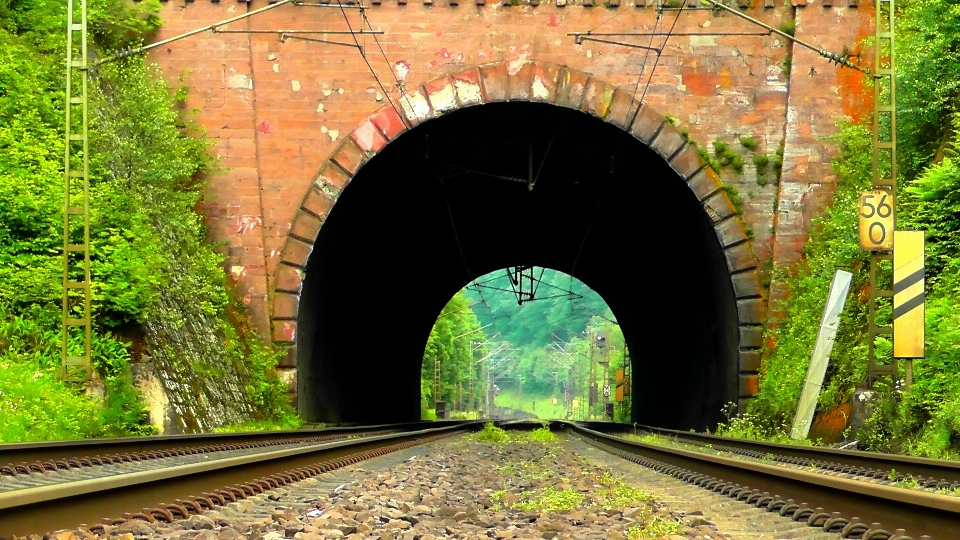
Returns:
point(507, 184)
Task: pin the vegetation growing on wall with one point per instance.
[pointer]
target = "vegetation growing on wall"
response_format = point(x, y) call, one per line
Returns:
point(146, 180)
point(926, 419)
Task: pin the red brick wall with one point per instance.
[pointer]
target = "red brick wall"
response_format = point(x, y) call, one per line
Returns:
point(276, 111)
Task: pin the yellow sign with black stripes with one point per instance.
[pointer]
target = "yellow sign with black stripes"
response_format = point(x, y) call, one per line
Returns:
point(908, 282)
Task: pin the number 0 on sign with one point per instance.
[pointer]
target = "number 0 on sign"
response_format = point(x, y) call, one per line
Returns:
point(876, 220)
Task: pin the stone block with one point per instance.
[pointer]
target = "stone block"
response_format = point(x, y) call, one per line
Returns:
point(749, 385)
point(349, 157)
point(718, 206)
point(467, 85)
point(751, 337)
point(622, 109)
point(749, 361)
point(544, 82)
point(296, 252)
point(519, 79)
point(730, 231)
point(284, 331)
point(368, 138)
point(597, 97)
point(442, 95)
point(571, 85)
point(750, 311)
point(415, 107)
point(493, 79)
point(739, 257)
point(317, 202)
point(668, 141)
point(289, 358)
point(306, 226)
point(705, 183)
point(332, 176)
point(647, 123)
point(288, 278)
point(746, 284)
point(285, 305)
point(388, 122)
point(687, 162)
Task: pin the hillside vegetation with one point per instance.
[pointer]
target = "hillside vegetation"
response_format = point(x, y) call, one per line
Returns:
point(146, 171)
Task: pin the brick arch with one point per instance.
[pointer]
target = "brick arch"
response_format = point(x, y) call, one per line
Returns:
point(532, 82)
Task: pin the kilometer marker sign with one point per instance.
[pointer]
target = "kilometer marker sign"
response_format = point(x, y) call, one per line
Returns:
point(876, 220)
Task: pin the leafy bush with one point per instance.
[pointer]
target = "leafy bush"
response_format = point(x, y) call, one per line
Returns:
point(542, 435)
point(492, 434)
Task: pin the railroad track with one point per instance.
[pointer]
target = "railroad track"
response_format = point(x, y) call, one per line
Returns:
point(47, 487)
point(854, 494)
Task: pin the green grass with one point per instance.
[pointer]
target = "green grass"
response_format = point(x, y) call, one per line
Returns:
point(286, 422)
point(545, 408)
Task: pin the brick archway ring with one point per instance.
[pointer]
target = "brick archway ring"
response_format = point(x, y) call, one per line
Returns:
point(531, 82)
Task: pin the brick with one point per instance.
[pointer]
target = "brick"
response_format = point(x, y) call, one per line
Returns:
point(597, 97)
point(289, 358)
point(284, 331)
point(285, 305)
point(718, 206)
point(388, 122)
point(704, 184)
point(730, 231)
point(746, 284)
point(288, 278)
point(467, 85)
point(544, 82)
point(622, 109)
point(751, 337)
point(749, 361)
point(739, 257)
point(571, 85)
point(332, 177)
point(749, 385)
point(349, 157)
point(306, 226)
point(368, 138)
point(493, 79)
point(668, 141)
point(442, 95)
point(519, 79)
point(317, 202)
point(647, 123)
point(687, 162)
point(750, 311)
point(296, 252)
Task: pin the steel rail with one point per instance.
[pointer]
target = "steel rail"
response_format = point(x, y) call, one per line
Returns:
point(918, 512)
point(907, 465)
point(16, 453)
point(68, 505)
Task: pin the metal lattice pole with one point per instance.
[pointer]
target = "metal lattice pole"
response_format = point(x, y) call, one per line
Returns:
point(76, 316)
point(884, 178)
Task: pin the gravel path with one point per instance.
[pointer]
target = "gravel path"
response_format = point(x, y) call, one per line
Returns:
point(466, 488)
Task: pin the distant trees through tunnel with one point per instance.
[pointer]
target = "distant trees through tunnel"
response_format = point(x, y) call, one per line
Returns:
point(526, 341)
point(504, 185)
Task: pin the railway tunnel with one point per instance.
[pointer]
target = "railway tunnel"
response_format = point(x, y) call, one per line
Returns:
point(506, 184)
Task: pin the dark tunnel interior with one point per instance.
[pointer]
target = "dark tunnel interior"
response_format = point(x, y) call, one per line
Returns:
point(451, 200)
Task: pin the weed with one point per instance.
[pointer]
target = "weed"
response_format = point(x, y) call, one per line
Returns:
point(492, 434)
point(542, 435)
point(550, 499)
point(749, 143)
point(652, 527)
point(788, 27)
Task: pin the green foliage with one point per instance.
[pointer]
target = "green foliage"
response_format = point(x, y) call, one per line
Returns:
point(542, 435)
point(748, 142)
point(654, 526)
point(549, 499)
point(726, 156)
point(833, 245)
point(451, 343)
point(735, 197)
point(788, 27)
point(491, 434)
point(928, 79)
point(287, 422)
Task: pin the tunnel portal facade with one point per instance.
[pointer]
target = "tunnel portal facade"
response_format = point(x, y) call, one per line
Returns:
point(504, 165)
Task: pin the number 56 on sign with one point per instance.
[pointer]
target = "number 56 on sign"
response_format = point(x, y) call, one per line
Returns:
point(876, 220)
